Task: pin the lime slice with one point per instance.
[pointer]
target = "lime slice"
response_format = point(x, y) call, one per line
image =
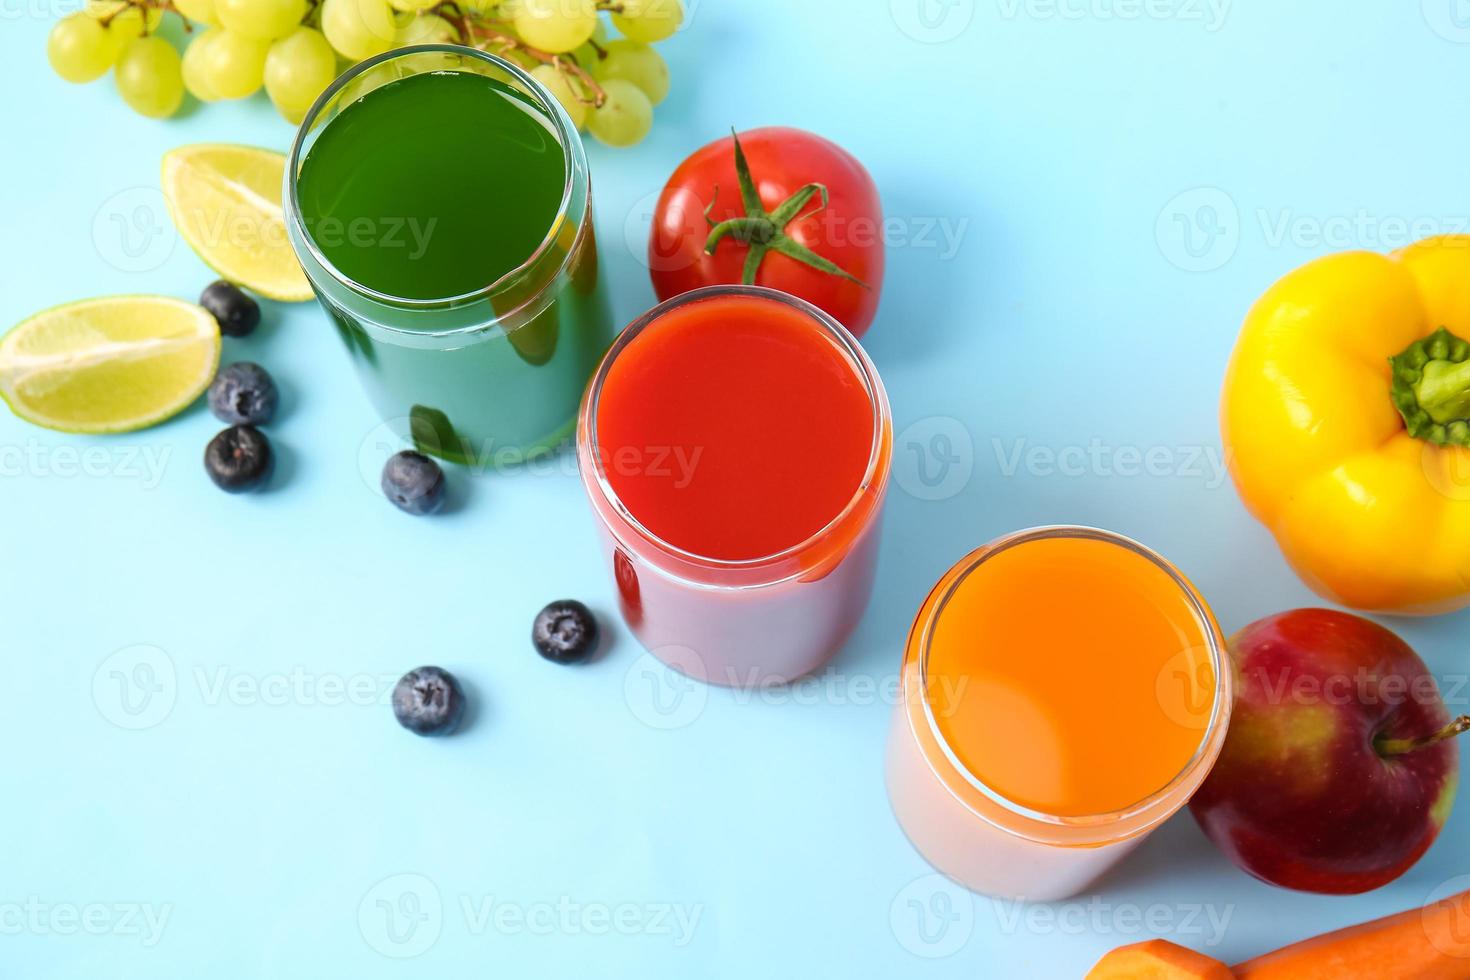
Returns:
point(226, 202)
point(108, 365)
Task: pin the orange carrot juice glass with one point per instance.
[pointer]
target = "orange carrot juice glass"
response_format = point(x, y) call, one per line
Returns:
point(1065, 690)
point(735, 445)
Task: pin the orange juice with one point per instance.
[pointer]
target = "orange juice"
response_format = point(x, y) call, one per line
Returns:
point(1065, 692)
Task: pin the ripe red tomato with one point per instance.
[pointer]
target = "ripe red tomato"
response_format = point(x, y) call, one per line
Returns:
point(765, 224)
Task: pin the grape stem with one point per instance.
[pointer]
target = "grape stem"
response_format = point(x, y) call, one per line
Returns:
point(168, 5)
point(483, 34)
point(143, 6)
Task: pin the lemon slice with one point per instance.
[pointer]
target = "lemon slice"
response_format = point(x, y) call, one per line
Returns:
point(108, 365)
point(226, 202)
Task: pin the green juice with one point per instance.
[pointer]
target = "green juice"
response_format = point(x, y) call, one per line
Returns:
point(443, 216)
point(459, 164)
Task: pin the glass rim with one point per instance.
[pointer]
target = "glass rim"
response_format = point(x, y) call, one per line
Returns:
point(874, 473)
point(1219, 710)
point(566, 135)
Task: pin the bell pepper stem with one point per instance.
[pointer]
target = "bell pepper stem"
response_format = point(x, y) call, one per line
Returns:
point(1431, 388)
point(1444, 390)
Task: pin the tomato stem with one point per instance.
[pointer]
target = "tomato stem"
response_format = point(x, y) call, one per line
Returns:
point(765, 231)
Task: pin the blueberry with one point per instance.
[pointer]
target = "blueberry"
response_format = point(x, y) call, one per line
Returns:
point(238, 459)
point(238, 315)
point(243, 394)
point(565, 632)
point(414, 482)
point(428, 701)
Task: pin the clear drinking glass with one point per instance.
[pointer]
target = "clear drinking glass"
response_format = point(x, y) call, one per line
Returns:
point(972, 832)
point(497, 372)
point(763, 620)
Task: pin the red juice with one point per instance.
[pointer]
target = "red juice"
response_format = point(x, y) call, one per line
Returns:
point(765, 427)
point(735, 444)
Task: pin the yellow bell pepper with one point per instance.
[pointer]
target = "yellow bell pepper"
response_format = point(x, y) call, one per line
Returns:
point(1346, 421)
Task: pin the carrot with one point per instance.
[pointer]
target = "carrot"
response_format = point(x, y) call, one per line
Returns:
point(1432, 943)
point(1158, 959)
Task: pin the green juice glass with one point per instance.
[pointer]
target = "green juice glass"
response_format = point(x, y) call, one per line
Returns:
point(439, 199)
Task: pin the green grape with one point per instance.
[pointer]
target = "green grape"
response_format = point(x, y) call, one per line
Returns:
point(297, 69)
point(198, 11)
point(196, 71)
point(412, 6)
point(234, 65)
point(625, 117)
point(262, 20)
point(560, 84)
point(586, 54)
point(149, 77)
point(636, 63)
point(80, 49)
point(358, 29)
point(555, 26)
point(485, 8)
point(424, 29)
point(649, 20)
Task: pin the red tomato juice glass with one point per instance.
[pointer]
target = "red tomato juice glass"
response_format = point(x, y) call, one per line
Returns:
point(736, 443)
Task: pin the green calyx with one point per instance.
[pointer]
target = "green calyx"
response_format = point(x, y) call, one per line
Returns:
point(1431, 389)
point(765, 231)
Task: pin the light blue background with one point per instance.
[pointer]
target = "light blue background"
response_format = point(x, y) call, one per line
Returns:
point(1124, 178)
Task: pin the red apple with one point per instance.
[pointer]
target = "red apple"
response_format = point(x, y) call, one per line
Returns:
point(1339, 768)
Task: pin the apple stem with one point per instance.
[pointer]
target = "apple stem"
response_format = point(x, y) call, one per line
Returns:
point(1399, 746)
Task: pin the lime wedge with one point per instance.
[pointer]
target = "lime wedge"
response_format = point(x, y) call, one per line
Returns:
point(226, 202)
point(113, 364)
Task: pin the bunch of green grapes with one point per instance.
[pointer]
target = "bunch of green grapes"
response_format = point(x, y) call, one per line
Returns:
point(608, 87)
point(295, 48)
point(235, 47)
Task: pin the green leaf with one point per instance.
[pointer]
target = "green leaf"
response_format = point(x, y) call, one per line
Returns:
point(748, 194)
point(795, 250)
